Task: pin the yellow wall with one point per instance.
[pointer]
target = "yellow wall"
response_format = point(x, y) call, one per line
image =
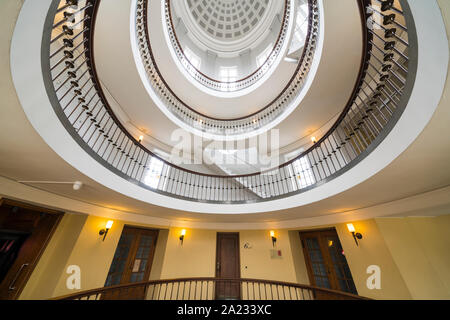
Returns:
point(158, 258)
point(52, 263)
point(420, 249)
point(411, 252)
point(372, 250)
point(298, 257)
point(76, 242)
point(257, 262)
point(92, 255)
point(196, 258)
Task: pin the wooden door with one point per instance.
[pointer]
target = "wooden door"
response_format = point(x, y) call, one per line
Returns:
point(228, 266)
point(326, 262)
point(24, 233)
point(132, 262)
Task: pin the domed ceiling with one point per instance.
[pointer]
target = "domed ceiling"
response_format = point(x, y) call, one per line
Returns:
point(228, 20)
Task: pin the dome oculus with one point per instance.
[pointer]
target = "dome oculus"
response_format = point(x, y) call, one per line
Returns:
point(228, 20)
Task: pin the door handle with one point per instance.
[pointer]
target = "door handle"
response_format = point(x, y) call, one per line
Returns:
point(13, 282)
point(218, 266)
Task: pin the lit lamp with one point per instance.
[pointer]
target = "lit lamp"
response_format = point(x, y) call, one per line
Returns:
point(356, 235)
point(104, 232)
point(183, 233)
point(313, 139)
point(141, 138)
point(274, 239)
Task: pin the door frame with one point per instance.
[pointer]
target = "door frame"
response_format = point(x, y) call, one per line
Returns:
point(133, 249)
point(21, 279)
point(308, 259)
point(237, 234)
point(152, 254)
point(327, 259)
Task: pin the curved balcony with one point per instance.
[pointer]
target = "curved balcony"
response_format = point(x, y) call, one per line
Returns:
point(209, 288)
point(227, 129)
point(381, 93)
point(227, 86)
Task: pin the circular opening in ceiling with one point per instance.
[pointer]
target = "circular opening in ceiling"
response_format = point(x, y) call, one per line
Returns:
point(228, 45)
point(228, 20)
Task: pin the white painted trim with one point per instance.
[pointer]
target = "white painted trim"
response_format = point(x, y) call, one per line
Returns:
point(432, 203)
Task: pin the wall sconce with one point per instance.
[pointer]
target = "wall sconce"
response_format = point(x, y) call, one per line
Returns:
point(104, 232)
point(356, 235)
point(274, 239)
point(141, 138)
point(313, 139)
point(183, 233)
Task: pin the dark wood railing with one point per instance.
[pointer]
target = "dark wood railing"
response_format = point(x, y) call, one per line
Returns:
point(212, 289)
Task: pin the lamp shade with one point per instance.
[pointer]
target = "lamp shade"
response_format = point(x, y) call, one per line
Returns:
point(109, 224)
point(351, 227)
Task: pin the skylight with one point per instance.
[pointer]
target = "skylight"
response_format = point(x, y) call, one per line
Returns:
point(193, 58)
point(303, 173)
point(264, 55)
point(153, 175)
point(228, 74)
point(301, 25)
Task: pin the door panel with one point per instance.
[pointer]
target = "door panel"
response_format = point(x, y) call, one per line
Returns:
point(342, 273)
point(228, 266)
point(318, 265)
point(132, 262)
point(10, 244)
point(24, 233)
point(120, 260)
point(326, 262)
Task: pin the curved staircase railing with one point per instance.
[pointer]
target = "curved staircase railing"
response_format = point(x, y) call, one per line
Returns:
point(229, 127)
point(381, 93)
point(220, 85)
point(212, 289)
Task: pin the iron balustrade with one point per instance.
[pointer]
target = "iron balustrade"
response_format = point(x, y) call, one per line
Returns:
point(230, 127)
point(212, 289)
point(227, 86)
point(380, 95)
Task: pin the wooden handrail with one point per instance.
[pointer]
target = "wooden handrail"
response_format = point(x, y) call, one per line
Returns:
point(333, 294)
